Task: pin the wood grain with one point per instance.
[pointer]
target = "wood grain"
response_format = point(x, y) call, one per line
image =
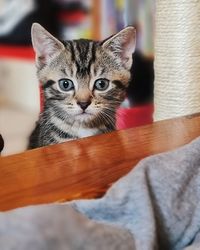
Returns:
point(86, 168)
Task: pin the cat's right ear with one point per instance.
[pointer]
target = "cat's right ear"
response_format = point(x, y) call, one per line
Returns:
point(123, 45)
point(45, 45)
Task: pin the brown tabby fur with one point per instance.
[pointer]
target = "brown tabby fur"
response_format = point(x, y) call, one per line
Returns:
point(83, 62)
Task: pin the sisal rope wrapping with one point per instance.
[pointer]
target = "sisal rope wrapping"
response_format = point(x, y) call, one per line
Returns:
point(177, 58)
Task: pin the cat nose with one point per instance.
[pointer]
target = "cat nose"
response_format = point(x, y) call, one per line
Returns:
point(84, 105)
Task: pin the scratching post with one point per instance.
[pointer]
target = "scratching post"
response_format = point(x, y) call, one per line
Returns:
point(177, 58)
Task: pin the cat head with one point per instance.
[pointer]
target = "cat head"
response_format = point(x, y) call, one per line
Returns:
point(84, 78)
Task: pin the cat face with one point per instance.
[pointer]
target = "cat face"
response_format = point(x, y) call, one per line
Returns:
point(84, 79)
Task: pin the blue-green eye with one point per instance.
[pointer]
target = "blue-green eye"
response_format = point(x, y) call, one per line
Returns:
point(66, 84)
point(101, 84)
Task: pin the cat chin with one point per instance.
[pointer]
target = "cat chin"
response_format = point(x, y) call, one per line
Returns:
point(84, 117)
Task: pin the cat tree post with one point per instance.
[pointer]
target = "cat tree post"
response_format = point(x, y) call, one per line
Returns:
point(177, 58)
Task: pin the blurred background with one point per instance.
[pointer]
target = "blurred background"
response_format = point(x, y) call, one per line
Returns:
point(20, 96)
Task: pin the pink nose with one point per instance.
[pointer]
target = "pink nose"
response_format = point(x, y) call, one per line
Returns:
point(84, 105)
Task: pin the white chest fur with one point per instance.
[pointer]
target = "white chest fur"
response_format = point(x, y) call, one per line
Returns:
point(85, 132)
point(75, 130)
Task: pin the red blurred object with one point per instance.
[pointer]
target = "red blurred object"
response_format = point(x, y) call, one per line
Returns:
point(75, 18)
point(17, 52)
point(135, 116)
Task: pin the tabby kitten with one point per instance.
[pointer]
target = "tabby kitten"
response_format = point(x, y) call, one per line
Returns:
point(84, 82)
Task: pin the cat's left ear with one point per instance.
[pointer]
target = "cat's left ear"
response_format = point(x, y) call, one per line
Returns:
point(123, 45)
point(45, 45)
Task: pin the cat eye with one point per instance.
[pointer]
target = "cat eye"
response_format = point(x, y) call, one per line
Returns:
point(101, 84)
point(66, 84)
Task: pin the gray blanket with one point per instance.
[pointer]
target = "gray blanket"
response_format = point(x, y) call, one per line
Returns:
point(156, 206)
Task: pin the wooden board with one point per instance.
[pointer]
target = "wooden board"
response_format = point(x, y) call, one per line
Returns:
point(86, 168)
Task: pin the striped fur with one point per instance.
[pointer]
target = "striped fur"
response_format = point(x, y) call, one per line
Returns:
point(83, 62)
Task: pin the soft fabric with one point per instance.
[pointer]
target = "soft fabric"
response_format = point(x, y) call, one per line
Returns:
point(156, 206)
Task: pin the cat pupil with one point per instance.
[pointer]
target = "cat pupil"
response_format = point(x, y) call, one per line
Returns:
point(102, 84)
point(65, 84)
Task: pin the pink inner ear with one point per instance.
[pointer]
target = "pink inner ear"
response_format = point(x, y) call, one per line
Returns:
point(42, 59)
point(128, 49)
point(46, 47)
point(40, 39)
point(129, 45)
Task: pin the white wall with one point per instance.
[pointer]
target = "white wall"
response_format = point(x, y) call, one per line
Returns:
point(19, 103)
